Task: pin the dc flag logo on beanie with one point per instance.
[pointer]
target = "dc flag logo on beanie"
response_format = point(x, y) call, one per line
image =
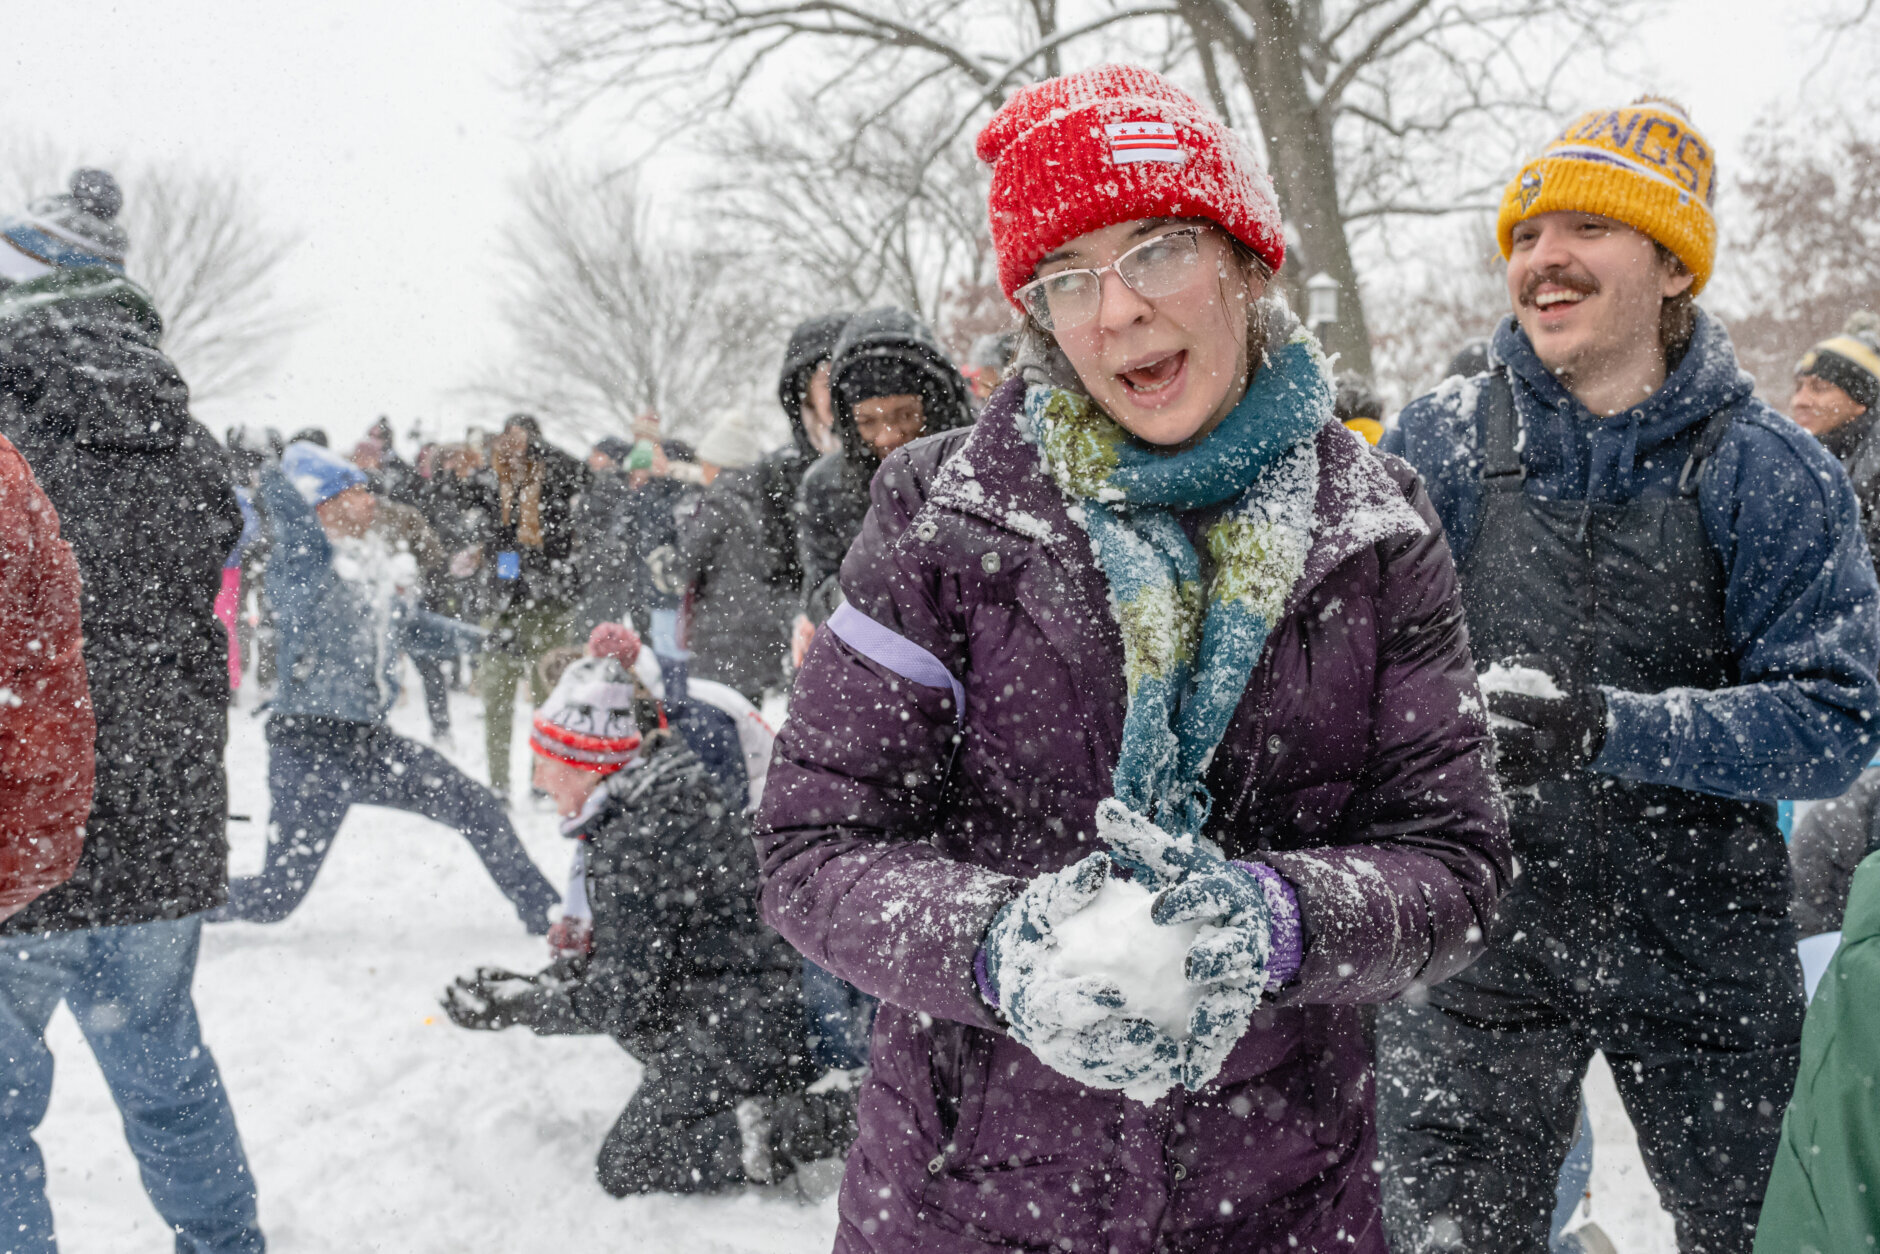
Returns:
point(1133, 142)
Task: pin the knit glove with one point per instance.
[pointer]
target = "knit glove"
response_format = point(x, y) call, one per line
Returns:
point(1071, 1023)
point(1232, 956)
point(1540, 738)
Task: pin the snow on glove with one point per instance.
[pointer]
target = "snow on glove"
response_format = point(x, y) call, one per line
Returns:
point(1071, 1023)
point(1545, 737)
point(494, 999)
point(1154, 858)
point(1231, 954)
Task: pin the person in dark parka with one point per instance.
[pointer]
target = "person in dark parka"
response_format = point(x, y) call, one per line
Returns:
point(883, 354)
point(803, 391)
point(676, 965)
point(1686, 565)
point(735, 613)
point(145, 500)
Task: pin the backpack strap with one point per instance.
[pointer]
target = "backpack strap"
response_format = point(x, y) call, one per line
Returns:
point(1498, 434)
point(1708, 441)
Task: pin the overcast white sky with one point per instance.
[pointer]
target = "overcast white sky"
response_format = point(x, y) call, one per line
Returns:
point(387, 134)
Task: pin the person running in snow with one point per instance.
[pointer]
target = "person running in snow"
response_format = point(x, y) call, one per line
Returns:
point(1681, 570)
point(144, 499)
point(335, 583)
point(1159, 599)
point(676, 967)
point(892, 383)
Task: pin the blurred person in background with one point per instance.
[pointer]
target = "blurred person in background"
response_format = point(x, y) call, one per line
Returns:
point(1355, 404)
point(604, 538)
point(734, 611)
point(144, 498)
point(987, 361)
point(344, 599)
point(803, 391)
point(892, 383)
point(527, 556)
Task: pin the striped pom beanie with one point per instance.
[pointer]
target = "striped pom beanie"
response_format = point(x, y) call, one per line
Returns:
point(1644, 165)
point(588, 721)
point(1111, 144)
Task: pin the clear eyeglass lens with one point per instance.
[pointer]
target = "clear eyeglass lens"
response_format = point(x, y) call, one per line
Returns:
point(1161, 267)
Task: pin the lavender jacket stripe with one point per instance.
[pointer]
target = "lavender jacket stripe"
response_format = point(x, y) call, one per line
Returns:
point(896, 652)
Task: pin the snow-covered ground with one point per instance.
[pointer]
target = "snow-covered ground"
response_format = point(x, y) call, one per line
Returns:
point(374, 1124)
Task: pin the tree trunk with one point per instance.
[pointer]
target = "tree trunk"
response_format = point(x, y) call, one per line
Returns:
point(1299, 147)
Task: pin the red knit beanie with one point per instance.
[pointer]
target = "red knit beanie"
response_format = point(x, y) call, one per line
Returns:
point(1112, 144)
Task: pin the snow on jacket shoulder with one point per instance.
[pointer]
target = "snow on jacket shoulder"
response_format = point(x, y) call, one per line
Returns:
point(1801, 607)
point(46, 727)
point(902, 811)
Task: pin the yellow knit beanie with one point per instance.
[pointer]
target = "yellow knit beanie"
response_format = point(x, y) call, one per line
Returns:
point(1644, 165)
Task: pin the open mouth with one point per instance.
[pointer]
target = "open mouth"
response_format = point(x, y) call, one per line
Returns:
point(1155, 377)
point(1558, 296)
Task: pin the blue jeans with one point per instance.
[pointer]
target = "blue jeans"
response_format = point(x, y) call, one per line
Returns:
point(129, 989)
point(319, 768)
point(1575, 1172)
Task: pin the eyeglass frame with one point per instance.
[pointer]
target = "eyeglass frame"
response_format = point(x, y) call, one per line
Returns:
point(1194, 230)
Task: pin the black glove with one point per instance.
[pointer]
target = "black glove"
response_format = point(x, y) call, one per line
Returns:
point(494, 999)
point(1540, 738)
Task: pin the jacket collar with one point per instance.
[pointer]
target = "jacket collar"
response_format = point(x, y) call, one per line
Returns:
point(997, 477)
point(1581, 453)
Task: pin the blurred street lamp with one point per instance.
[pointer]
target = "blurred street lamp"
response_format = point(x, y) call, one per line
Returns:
point(1321, 301)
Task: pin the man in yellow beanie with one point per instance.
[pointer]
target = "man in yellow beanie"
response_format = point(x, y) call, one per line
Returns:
point(1673, 577)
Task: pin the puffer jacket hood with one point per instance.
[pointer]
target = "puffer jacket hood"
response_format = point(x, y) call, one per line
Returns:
point(811, 344)
point(893, 332)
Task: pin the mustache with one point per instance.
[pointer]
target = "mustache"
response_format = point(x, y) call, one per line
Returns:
point(1572, 280)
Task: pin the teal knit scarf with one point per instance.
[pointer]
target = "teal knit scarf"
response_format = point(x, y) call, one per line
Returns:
point(1188, 652)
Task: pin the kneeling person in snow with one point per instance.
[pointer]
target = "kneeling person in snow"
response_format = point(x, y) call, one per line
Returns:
point(681, 972)
point(342, 623)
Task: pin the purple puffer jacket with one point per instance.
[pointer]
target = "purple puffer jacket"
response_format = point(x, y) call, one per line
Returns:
point(1356, 766)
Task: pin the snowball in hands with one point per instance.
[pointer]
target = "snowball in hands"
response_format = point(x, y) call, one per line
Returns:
point(1114, 940)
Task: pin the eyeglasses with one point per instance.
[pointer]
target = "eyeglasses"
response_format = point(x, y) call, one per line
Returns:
point(1152, 269)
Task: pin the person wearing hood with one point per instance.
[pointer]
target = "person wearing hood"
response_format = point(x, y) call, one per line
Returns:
point(533, 579)
point(1837, 400)
point(1145, 749)
point(671, 959)
point(1676, 575)
point(735, 614)
point(803, 392)
point(341, 598)
point(144, 498)
point(892, 383)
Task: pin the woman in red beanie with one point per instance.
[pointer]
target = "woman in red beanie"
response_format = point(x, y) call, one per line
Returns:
point(1146, 748)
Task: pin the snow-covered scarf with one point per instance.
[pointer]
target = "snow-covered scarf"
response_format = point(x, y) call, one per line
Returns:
point(1188, 652)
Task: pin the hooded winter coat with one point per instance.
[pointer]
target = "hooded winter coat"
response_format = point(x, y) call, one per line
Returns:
point(834, 496)
point(900, 817)
point(1857, 447)
point(46, 727)
point(145, 501)
point(779, 474)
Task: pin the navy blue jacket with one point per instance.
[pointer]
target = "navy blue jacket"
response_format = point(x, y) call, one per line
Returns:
point(1802, 610)
point(336, 659)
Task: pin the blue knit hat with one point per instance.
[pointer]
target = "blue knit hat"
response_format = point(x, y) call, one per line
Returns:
point(72, 230)
point(319, 474)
